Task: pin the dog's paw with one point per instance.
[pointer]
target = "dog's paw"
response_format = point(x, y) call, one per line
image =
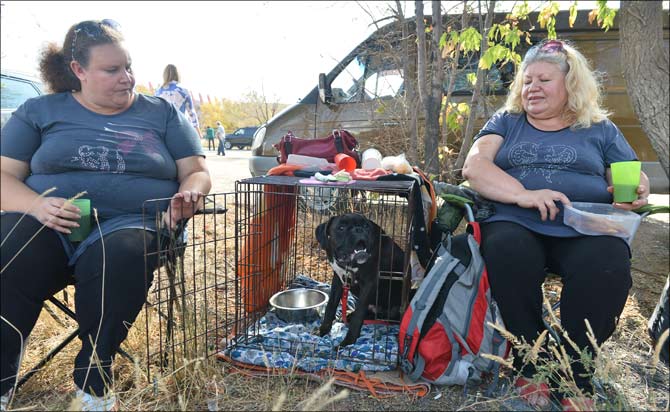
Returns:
point(345, 342)
point(323, 330)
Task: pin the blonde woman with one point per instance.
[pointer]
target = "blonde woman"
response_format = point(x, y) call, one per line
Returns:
point(549, 145)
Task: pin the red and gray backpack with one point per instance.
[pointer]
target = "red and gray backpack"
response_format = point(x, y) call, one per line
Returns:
point(447, 327)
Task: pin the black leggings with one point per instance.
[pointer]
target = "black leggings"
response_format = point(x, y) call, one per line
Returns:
point(595, 271)
point(41, 270)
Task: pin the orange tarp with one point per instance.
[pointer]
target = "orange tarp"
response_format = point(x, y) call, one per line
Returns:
point(266, 246)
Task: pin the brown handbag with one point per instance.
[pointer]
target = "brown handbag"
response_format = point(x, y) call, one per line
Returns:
point(339, 141)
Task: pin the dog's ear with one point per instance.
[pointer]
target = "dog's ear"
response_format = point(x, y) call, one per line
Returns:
point(375, 230)
point(322, 234)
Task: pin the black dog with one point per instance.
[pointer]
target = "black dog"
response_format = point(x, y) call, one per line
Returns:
point(358, 250)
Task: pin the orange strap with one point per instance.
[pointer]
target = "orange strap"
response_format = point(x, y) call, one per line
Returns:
point(357, 381)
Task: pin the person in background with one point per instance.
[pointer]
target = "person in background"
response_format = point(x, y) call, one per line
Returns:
point(552, 144)
point(221, 136)
point(92, 133)
point(209, 135)
point(175, 93)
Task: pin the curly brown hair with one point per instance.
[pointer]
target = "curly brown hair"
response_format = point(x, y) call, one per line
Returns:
point(80, 38)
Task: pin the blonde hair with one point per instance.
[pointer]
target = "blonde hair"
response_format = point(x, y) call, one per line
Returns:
point(170, 74)
point(582, 84)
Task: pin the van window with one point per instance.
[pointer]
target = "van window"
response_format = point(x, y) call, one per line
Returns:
point(368, 77)
point(497, 78)
point(347, 84)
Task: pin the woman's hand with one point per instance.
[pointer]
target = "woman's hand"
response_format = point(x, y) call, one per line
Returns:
point(56, 213)
point(183, 205)
point(642, 198)
point(543, 200)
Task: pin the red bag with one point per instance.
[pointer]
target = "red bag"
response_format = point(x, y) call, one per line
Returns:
point(340, 141)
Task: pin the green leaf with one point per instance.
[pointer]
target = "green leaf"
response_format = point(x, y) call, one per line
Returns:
point(471, 39)
point(513, 37)
point(573, 14)
point(443, 41)
point(521, 11)
point(486, 61)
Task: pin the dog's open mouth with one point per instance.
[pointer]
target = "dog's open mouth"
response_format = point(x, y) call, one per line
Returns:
point(360, 256)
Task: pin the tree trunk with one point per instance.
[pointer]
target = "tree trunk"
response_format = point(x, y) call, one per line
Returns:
point(474, 103)
point(421, 57)
point(645, 68)
point(409, 74)
point(434, 101)
point(453, 70)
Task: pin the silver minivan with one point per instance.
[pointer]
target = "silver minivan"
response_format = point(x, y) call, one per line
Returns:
point(364, 94)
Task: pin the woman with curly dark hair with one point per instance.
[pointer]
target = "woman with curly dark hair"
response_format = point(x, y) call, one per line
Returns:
point(92, 134)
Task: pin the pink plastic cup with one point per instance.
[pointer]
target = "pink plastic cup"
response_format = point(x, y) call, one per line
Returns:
point(345, 162)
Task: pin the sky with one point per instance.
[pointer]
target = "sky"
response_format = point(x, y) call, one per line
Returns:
point(224, 49)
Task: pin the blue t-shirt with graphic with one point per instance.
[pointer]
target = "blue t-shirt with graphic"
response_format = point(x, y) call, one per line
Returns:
point(180, 97)
point(570, 161)
point(120, 160)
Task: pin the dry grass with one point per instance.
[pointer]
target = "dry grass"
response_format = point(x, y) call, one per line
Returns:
point(203, 383)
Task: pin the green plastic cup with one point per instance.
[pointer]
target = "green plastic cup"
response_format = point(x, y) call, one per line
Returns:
point(625, 179)
point(80, 233)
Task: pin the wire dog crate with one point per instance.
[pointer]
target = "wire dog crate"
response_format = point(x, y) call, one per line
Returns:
point(276, 218)
point(185, 315)
point(211, 293)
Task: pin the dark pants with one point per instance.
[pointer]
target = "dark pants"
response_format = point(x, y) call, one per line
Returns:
point(210, 144)
point(595, 271)
point(41, 270)
point(221, 150)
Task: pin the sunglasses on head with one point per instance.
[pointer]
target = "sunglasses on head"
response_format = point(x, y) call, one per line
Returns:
point(93, 29)
point(552, 46)
point(549, 47)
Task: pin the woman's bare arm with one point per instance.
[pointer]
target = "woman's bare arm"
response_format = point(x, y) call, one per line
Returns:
point(54, 212)
point(494, 183)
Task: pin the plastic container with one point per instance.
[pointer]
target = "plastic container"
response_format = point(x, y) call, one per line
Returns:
point(315, 163)
point(371, 159)
point(345, 162)
point(601, 219)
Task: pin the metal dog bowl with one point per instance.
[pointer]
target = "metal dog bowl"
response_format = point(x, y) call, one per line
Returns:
point(299, 305)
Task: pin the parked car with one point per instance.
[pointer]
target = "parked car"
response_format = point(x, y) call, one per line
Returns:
point(241, 137)
point(16, 89)
point(364, 94)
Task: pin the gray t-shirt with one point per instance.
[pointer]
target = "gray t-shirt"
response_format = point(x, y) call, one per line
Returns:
point(572, 162)
point(120, 160)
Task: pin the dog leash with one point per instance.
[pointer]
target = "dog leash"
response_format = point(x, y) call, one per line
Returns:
point(343, 302)
point(345, 296)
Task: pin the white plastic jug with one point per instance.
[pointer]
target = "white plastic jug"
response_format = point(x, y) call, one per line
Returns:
point(371, 159)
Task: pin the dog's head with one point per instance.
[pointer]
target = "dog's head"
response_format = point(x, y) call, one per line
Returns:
point(349, 239)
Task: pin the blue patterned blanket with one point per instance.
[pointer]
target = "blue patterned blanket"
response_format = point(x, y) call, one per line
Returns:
point(279, 344)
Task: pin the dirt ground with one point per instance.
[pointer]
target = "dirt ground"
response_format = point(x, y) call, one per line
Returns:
point(631, 383)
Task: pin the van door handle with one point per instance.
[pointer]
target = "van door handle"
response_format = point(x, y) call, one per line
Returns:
point(390, 124)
